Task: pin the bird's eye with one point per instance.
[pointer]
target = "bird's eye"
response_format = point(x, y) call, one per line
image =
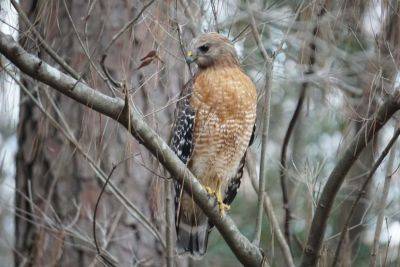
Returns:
point(204, 48)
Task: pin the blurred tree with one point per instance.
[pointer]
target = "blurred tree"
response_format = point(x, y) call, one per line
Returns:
point(9, 99)
point(354, 42)
point(325, 48)
point(56, 188)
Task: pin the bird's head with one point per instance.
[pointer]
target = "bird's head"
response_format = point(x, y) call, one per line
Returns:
point(211, 49)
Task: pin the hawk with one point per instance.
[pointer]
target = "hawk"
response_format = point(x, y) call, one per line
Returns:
point(214, 125)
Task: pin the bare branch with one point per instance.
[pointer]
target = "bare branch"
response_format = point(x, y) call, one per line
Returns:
point(269, 61)
point(127, 26)
point(282, 167)
point(214, 11)
point(364, 136)
point(269, 210)
point(65, 130)
point(382, 201)
point(169, 222)
point(247, 253)
point(99, 250)
point(292, 124)
point(361, 193)
point(191, 25)
point(43, 42)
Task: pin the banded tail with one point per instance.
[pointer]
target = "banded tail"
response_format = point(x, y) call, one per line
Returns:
point(192, 236)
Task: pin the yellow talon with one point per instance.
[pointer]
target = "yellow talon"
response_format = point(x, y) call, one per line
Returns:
point(217, 194)
point(209, 190)
point(221, 205)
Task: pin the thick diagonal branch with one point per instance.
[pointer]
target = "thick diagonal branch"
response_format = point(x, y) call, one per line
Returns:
point(336, 178)
point(248, 254)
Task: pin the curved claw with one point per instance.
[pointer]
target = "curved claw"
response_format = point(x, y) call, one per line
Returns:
point(223, 207)
point(210, 191)
point(220, 201)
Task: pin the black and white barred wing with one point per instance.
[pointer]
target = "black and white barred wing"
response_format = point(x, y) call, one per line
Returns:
point(182, 142)
point(234, 183)
point(182, 131)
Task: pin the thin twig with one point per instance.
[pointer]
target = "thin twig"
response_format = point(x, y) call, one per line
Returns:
point(282, 167)
point(87, 52)
point(178, 29)
point(247, 253)
point(99, 252)
point(269, 210)
point(269, 61)
point(117, 84)
point(192, 25)
point(362, 193)
point(236, 38)
point(169, 222)
point(292, 124)
point(127, 26)
point(387, 246)
point(381, 206)
point(109, 78)
point(131, 208)
point(215, 15)
point(43, 42)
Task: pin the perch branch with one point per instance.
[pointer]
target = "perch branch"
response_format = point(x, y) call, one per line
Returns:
point(247, 253)
point(43, 42)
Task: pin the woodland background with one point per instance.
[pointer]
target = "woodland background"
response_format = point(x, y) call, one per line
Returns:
point(322, 69)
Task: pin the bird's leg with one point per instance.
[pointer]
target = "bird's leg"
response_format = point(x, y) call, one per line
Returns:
point(220, 200)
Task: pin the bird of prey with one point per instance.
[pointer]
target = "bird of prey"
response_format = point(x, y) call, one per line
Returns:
point(214, 123)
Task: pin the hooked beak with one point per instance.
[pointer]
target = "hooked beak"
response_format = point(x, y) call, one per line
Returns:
point(190, 57)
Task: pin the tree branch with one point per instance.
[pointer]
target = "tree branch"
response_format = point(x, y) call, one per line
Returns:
point(382, 201)
point(296, 114)
point(169, 223)
point(66, 132)
point(361, 193)
point(269, 210)
point(336, 178)
point(269, 62)
point(247, 253)
point(43, 42)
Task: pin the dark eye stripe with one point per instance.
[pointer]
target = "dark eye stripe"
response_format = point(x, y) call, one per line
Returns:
point(204, 48)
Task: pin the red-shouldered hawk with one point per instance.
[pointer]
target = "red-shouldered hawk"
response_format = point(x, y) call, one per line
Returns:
point(214, 123)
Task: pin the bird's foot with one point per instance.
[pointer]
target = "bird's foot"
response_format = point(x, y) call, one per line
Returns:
point(223, 208)
point(221, 205)
point(210, 191)
point(217, 194)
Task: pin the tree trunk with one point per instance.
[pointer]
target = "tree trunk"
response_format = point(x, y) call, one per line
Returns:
point(56, 188)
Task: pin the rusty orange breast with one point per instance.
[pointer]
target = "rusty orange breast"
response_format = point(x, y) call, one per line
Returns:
point(225, 103)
